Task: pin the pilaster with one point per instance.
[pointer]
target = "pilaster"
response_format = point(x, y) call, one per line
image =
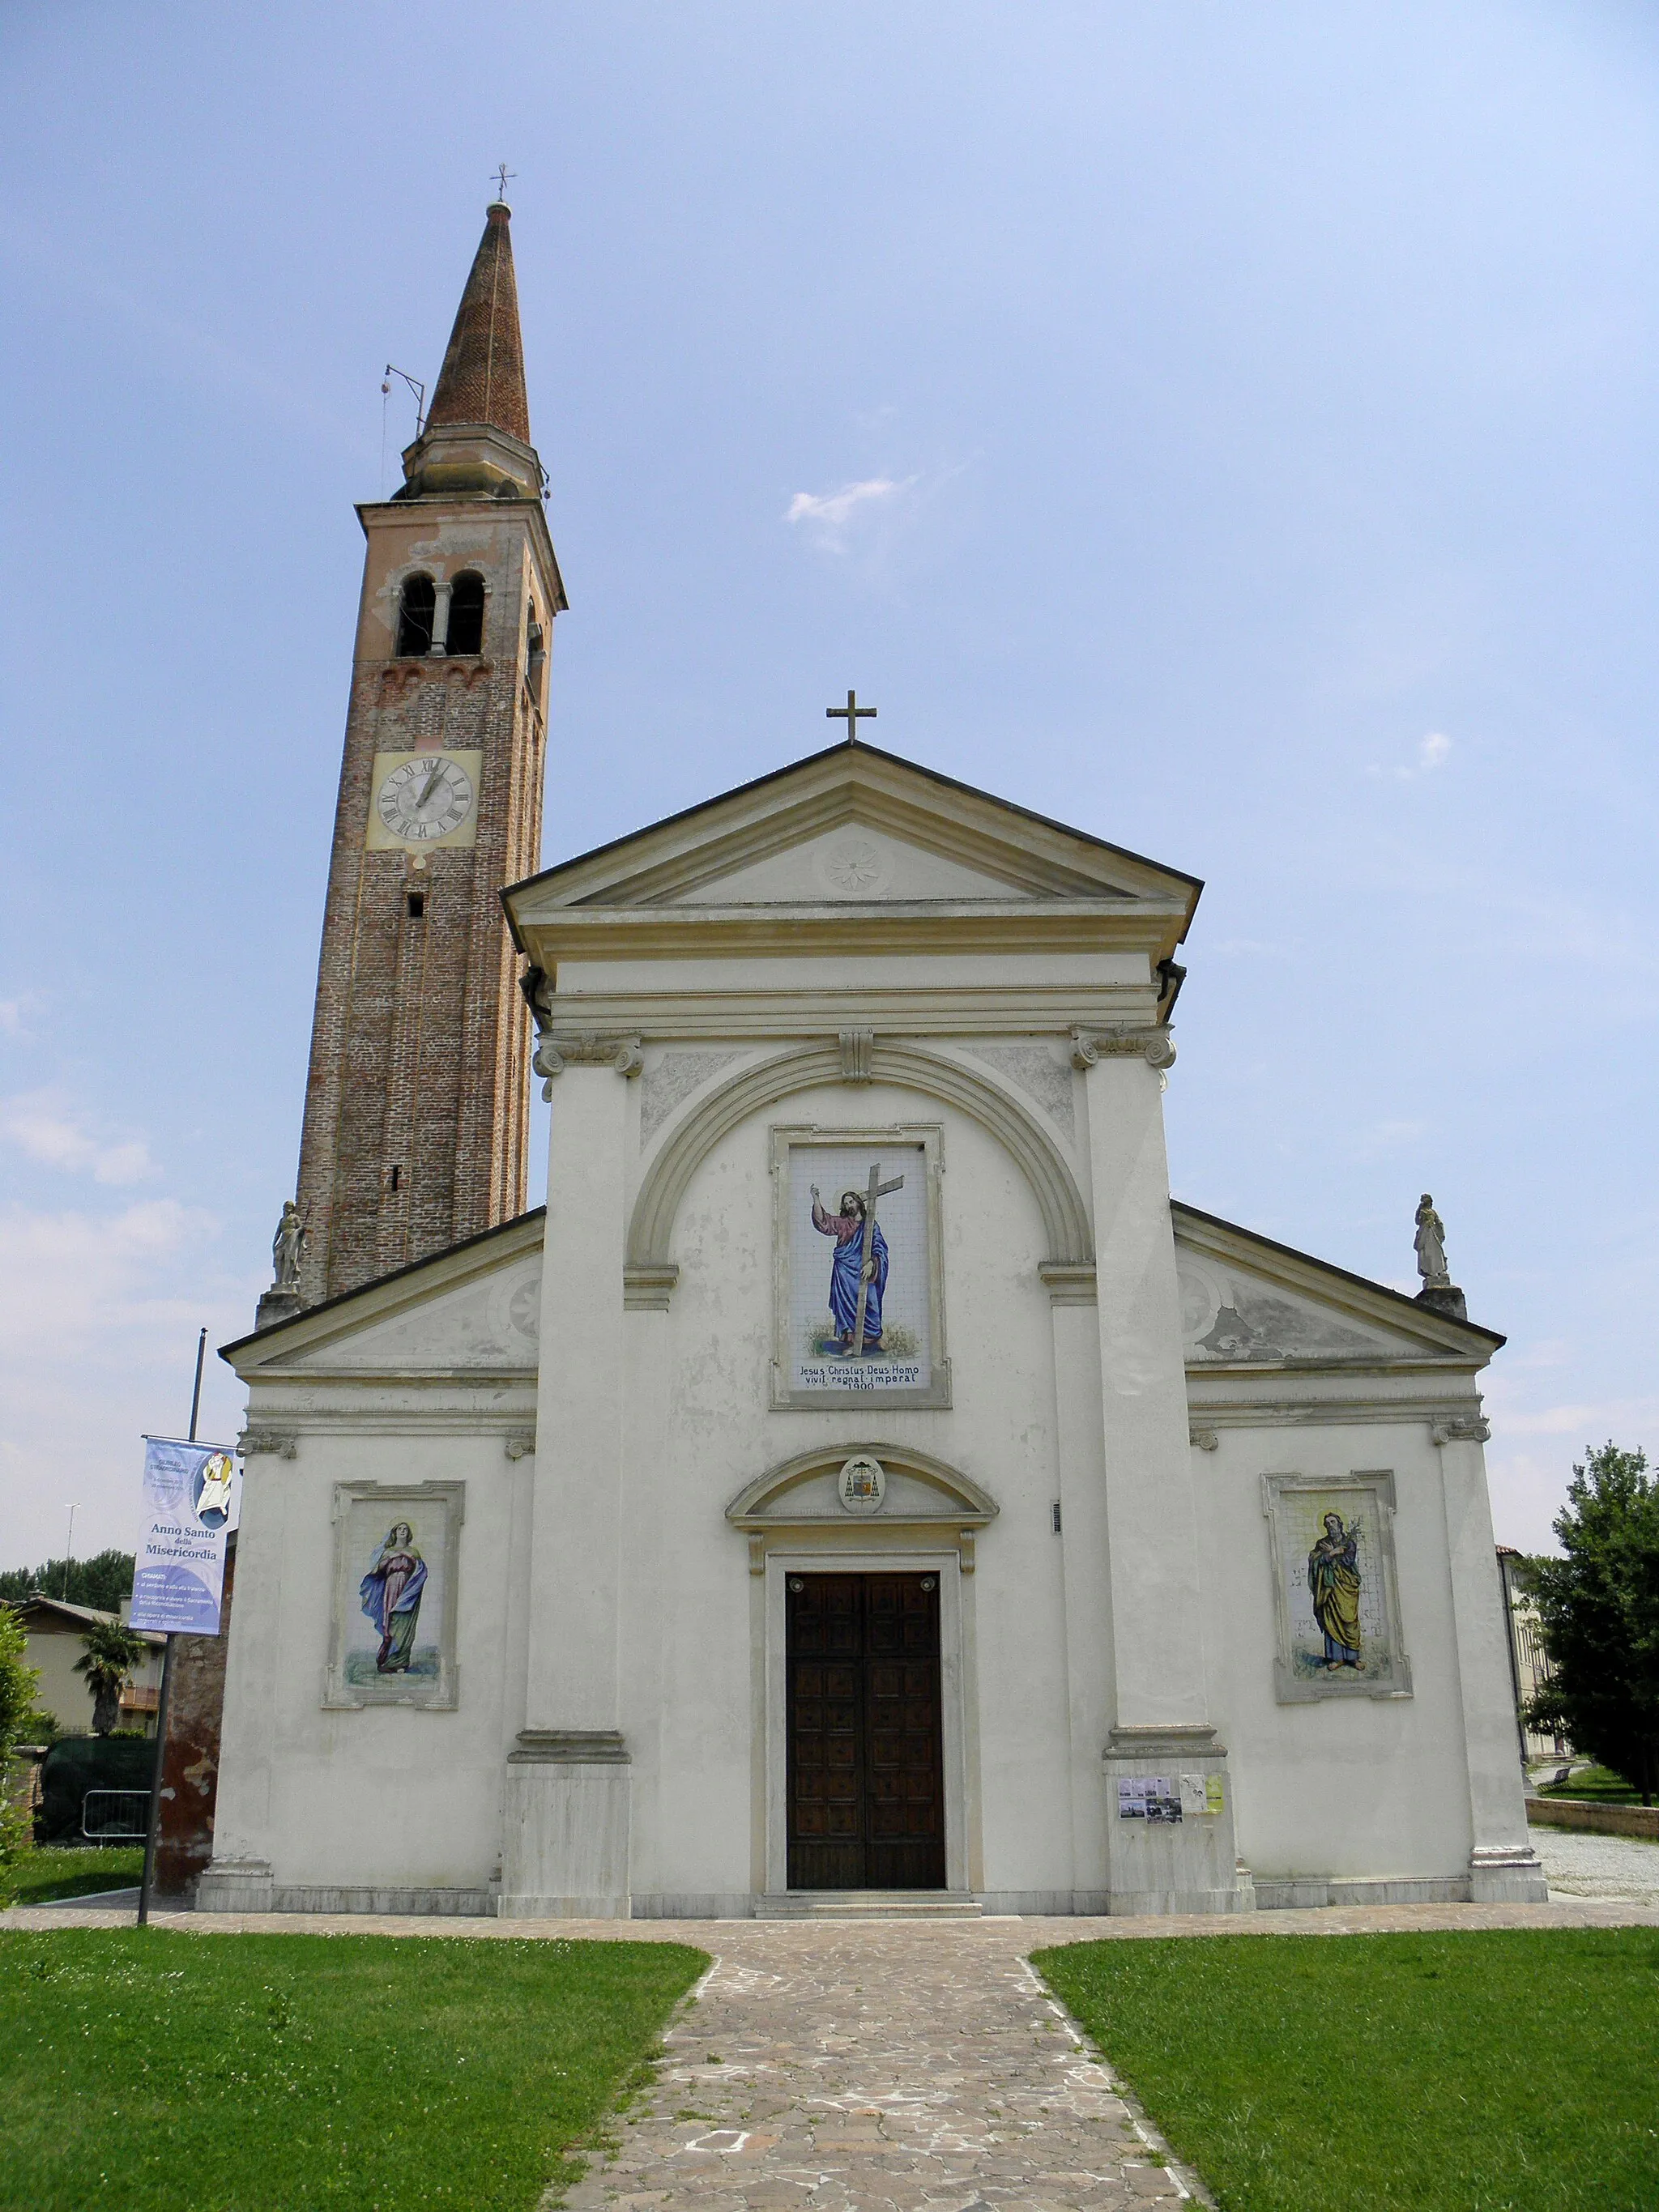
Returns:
point(1504, 1868)
point(567, 1796)
point(1082, 1536)
point(1152, 1523)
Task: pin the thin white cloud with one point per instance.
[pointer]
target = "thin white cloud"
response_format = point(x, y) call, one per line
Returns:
point(11, 1018)
point(1432, 752)
point(45, 1127)
point(830, 514)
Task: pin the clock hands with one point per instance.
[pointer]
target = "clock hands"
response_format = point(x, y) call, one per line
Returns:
point(426, 797)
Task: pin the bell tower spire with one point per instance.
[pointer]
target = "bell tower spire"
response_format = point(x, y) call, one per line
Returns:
point(417, 1119)
point(481, 380)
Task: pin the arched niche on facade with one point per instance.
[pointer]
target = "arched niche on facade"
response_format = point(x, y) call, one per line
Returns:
point(650, 1261)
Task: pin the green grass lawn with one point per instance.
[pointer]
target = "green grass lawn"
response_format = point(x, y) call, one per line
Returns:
point(157, 2071)
point(53, 1870)
point(1600, 1785)
point(1500, 2072)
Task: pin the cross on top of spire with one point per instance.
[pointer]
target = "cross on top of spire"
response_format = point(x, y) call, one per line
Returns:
point(502, 173)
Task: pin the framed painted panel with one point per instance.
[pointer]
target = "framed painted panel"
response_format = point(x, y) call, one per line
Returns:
point(1335, 1595)
point(397, 1550)
point(859, 1271)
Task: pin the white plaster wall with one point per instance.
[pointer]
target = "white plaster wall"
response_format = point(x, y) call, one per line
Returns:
point(699, 1379)
point(1343, 1787)
point(386, 1796)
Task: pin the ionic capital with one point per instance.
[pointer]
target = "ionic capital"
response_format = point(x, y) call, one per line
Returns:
point(586, 1049)
point(1462, 1429)
point(280, 1443)
point(1126, 1039)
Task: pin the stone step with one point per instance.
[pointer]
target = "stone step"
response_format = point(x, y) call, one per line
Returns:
point(869, 1904)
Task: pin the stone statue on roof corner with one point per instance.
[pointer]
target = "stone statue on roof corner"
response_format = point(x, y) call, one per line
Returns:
point(286, 1246)
point(1431, 1247)
point(1439, 1289)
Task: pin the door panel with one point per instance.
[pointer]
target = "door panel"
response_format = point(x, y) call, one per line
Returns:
point(866, 1766)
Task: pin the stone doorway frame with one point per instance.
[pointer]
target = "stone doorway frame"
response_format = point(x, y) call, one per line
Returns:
point(958, 1715)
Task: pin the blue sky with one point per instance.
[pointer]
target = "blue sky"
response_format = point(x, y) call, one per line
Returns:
point(1231, 429)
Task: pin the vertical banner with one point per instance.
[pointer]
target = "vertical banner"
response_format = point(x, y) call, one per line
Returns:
point(189, 1491)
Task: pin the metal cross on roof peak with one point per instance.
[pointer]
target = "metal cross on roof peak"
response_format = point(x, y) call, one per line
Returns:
point(503, 172)
point(852, 714)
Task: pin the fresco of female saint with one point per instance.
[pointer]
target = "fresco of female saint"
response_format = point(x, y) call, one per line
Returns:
point(848, 1269)
point(1334, 1583)
point(391, 1595)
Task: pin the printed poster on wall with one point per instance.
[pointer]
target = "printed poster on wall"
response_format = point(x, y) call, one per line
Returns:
point(189, 1497)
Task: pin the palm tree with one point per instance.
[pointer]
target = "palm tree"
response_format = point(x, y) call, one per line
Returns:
point(112, 1653)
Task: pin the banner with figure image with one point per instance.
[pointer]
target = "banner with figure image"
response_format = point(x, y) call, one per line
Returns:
point(190, 1492)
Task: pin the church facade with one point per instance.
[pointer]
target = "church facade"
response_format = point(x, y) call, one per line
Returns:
point(861, 1486)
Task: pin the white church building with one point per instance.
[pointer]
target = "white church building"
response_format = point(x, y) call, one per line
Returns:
point(862, 1485)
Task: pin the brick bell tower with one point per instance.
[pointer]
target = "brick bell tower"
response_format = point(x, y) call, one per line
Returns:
point(417, 1117)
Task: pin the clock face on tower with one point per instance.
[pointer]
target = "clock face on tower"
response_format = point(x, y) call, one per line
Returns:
point(424, 799)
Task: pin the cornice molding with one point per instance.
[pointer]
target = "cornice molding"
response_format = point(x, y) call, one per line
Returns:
point(1286, 1412)
point(1006, 1008)
point(882, 927)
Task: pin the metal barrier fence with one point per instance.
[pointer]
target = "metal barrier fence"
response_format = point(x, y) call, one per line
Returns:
point(115, 1816)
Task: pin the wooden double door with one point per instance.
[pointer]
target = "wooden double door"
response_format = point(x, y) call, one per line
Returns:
point(867, 1753)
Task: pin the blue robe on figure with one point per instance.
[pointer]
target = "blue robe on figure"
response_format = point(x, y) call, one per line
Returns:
point(847, 1270)
point(390, 1594)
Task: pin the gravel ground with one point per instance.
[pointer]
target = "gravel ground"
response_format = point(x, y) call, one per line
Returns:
point(1598, 1866)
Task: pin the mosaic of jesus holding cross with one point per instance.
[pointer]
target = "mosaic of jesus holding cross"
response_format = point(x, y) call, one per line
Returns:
point(857, 1270)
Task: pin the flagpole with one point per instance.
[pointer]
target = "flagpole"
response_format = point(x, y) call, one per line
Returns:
point(165, 1700)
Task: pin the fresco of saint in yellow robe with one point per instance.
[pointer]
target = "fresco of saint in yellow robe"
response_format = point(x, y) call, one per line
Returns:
point(1333, 1583)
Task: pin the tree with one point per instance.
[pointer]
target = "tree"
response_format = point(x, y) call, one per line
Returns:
point(1600, 1608)
point(112, 1653)
point(101, 1582)
point(18, 1684)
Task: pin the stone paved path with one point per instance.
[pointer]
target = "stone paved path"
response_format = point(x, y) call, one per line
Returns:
point(904, 2064)
point(893, 2065)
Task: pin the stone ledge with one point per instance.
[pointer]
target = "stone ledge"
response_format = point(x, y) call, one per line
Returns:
point(1595, 1820)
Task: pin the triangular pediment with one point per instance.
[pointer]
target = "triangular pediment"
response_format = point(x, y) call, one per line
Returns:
point(473, 1310)
point(1248, 1301)
point(850, 825)
point(852, 862)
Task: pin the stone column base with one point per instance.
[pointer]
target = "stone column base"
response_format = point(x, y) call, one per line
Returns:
point(1189, 1865)
point(564, 1848)
point(235, 1886)
point(1506, 1874)
point(275, 1306)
